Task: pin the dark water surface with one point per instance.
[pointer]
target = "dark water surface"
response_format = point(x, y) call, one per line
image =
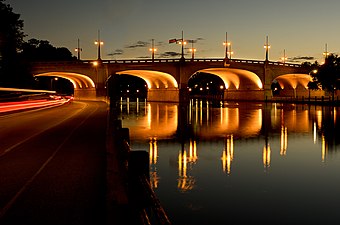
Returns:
point(240, 163)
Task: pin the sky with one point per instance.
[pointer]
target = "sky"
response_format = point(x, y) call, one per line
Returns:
point(300, 28)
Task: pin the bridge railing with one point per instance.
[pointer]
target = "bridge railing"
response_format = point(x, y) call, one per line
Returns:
point(198, 60)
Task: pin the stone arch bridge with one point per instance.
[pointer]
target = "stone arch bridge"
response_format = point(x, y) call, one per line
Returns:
point(167, 78)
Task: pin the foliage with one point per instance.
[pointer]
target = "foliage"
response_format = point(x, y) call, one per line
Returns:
point(42, 50)
point(328, 74)
point(11, 31)
point(16, 54)
point(11, 39)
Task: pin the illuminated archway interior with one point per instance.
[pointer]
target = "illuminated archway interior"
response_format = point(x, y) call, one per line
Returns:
point(78, 81)
point(294, 81)
point(236, 78)
point(154, 79)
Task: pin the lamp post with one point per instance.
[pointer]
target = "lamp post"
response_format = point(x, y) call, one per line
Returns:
point(284, 58)
point(78, 50)
point(99, 43)
point(326, 53)
point(267, 47)
point(192, 50)
point(153, 50)
point(182, 42)
point(226, 44)
point(230, 51)
point(53, 79)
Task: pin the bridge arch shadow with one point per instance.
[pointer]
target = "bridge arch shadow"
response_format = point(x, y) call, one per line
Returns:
point(84, 86)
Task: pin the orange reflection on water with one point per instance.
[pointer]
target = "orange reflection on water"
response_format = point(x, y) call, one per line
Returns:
point(153, 155)
point(159, 120)
point(284, 140)
point(228, 154)
point(266, 155)
point(324, 148)
point(153, 151)
point(186, 182)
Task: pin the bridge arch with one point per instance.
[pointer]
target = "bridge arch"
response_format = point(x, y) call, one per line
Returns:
point(154, 79)
point(236, 79)
point(293, 85)
point(84, 86)
point(161, 86)
point(294, 80)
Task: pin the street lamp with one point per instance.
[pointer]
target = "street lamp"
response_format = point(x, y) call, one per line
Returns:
point(99, 43)
point(226, 44)
point(326, 53)
point(230, 52)
point(53, 79)
point(192, 49)
point(267, 47)
point(78, 50)
point(153, 50)
point(182, 42)
point(284, 58)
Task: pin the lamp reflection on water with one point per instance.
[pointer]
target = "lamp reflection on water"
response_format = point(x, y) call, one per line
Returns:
point(266, 154)
point(324, 148)
point(185, 181)
point(153, 156)
point(228, 154)
point(284, 140)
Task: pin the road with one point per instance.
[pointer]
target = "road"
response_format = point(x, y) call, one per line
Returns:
point(53, 165)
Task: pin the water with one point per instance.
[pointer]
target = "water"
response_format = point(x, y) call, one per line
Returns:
point(240, 163)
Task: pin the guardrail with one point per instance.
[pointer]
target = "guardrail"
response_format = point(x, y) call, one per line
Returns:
point(197, 60)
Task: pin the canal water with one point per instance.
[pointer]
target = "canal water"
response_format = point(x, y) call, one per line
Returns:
point(240, 163)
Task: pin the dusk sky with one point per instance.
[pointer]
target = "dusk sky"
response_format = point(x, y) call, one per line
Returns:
point(300, 27)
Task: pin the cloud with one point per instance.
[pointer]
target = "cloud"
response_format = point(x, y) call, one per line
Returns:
point(116, 52)
point(170, 54)
point(195, 40)
point(301, 58)
point(138, 44)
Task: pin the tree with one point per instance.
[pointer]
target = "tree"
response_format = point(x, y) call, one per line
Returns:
point(328, 74)
point(42, 50)
point(11, 39)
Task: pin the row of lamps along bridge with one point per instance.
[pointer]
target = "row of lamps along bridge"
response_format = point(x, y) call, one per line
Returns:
point(182, 42)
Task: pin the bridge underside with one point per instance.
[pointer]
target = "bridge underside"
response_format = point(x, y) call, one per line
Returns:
point(84, 87)
point(162, 87)
point(238, 84)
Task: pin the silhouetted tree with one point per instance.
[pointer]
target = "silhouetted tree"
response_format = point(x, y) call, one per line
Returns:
point(11, 39)
point(314, 68)
point(42, 50)
point(328, 74)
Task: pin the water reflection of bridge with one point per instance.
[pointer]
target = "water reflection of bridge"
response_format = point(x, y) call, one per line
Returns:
point(272, 124)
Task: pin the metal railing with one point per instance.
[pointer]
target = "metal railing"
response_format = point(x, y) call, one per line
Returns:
point(197, 60)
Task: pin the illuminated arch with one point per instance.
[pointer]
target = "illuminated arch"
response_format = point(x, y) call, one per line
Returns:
point(154, 79)
point(79, 81)
point(84, 87)
point(293, 80)
point(236, 78)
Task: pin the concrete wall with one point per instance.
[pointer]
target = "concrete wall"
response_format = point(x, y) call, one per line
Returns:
point(85, 94)
point(251, 95)
point(163, 95)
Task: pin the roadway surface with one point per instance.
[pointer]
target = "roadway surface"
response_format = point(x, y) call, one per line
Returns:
point(53, 165)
